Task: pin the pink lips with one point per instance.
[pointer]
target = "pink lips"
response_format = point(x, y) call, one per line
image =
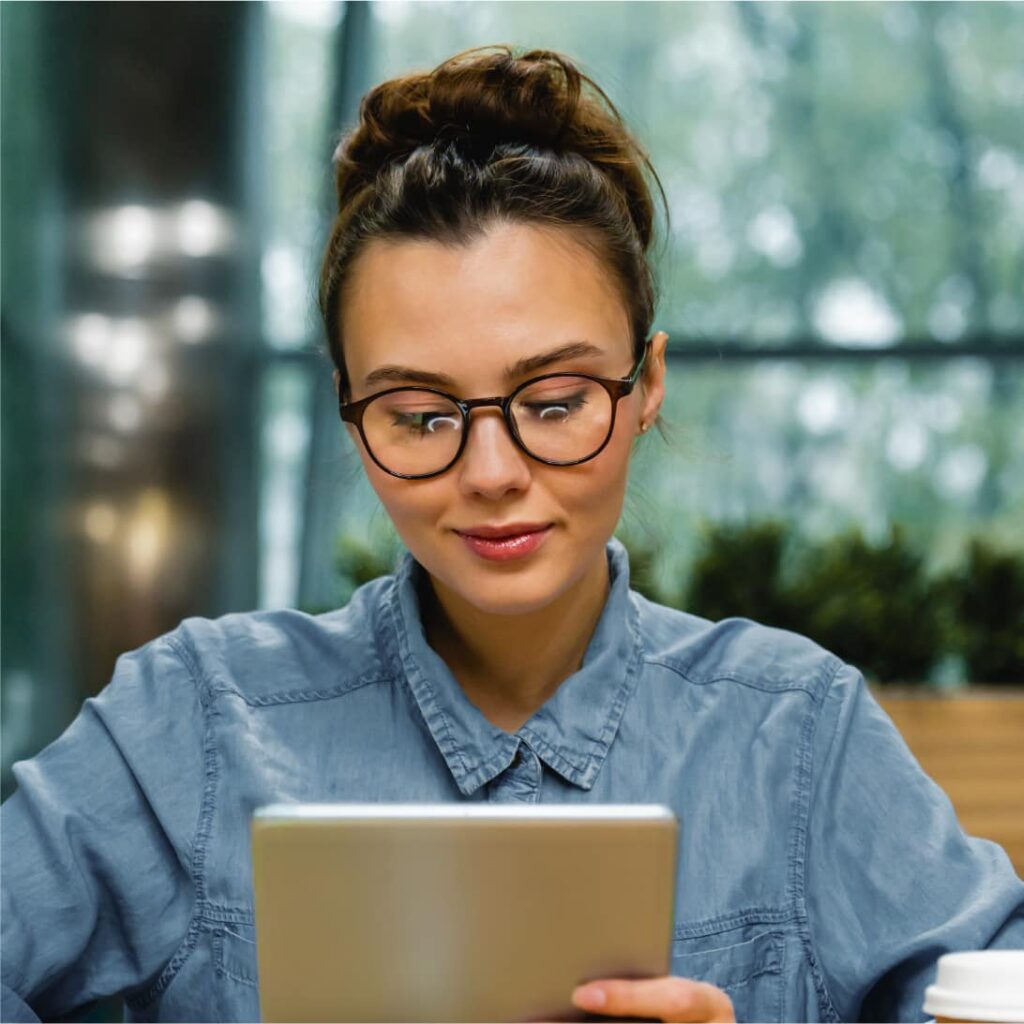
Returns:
point(501, 549)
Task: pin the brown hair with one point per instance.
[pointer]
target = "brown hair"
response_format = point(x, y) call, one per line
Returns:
point(485, 136)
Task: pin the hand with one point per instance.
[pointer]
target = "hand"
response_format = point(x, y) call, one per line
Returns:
point(664, 999)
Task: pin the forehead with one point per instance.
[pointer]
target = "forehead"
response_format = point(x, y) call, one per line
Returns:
point(471, 310)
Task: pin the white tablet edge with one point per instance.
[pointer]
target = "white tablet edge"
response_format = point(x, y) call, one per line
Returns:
point(576, 812)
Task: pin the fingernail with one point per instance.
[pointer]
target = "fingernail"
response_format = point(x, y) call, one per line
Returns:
point(590, 998)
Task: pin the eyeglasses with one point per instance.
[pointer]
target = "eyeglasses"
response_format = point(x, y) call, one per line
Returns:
point(560, 419)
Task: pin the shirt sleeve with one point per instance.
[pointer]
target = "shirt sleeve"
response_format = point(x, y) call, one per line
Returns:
point(97, 878)
point(891, 881)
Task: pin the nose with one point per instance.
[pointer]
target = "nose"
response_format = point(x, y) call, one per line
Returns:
point(492, 463)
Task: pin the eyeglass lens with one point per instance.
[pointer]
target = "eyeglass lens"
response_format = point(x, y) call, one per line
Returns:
point(561, 419)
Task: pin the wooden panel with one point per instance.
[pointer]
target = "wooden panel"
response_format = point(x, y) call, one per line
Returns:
point(973, 747)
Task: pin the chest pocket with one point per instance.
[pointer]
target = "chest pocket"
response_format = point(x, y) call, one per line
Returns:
point(234, 952)
point(749, 972)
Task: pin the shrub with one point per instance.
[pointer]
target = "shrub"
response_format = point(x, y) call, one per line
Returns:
point(360, 559)
point(740, 573)
point(872, 605)
point(644, 556)
point(984, 603)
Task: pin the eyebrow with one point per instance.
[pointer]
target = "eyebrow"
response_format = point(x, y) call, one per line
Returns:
point(571, 350)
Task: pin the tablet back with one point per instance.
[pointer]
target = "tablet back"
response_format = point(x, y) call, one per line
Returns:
point(450, 912)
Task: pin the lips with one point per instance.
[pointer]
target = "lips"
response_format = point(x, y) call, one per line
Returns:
point(507, 547)
point(503, 531)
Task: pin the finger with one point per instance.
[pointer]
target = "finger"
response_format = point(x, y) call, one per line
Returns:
point(665, 999)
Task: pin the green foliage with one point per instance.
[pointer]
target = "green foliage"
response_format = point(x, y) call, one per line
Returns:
point(644, 560)
point(871, 605)
point(874, 605)
point(740, 573)
point(984, 605)
point(360, 559)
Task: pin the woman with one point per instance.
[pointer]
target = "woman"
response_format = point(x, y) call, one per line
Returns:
point(488, 304)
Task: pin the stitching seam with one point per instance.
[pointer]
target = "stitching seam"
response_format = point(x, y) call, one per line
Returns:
point(297, 696)
point(188, 944)
point(736, 919)
point(798, 845)
point(725, 677)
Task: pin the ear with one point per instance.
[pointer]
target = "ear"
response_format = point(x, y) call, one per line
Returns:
point(653, 379)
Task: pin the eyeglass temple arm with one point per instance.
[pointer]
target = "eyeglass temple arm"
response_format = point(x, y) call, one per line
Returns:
point(635, 375)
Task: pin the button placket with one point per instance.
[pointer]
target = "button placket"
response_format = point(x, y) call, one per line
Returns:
point(520, 782)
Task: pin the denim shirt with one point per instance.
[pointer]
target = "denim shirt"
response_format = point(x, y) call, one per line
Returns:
point(821, 873)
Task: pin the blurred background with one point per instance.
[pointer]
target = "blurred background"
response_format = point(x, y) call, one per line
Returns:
point(842, 284)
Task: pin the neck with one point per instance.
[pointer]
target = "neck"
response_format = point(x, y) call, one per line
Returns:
point(509, 665)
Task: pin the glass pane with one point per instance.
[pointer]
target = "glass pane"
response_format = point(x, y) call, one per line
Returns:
point(298, 84)
point(563, 418)
point(852, 173)
point(284, 444)
point(936, 447)
point(413, 432)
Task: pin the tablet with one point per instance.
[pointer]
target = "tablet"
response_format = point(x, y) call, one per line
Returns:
point(456, 912)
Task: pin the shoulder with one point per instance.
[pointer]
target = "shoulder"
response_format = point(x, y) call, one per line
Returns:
point(263, 655)
point(734, 650)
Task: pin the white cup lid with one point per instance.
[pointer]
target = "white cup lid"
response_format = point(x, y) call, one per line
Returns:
point(987, 985)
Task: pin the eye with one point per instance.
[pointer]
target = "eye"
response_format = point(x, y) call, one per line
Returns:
point(427, 422)
point(442, 422)
point(557, 412)
point(551, 412)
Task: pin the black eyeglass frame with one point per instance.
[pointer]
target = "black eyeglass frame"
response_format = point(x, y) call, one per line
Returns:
point(617, 388)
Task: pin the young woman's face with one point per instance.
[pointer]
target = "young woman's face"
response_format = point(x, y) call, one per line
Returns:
point(468, 313)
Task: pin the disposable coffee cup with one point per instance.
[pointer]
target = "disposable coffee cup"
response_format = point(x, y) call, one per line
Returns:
point(985, 987)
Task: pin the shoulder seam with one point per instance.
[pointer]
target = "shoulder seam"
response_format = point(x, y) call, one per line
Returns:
point(805, 783)
point(209, 689)
point(727, 677)
point(190, 663)
point(299, 696)
point(198, 852)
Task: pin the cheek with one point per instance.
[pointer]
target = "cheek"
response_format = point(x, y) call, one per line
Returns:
point(595, 490)
point(614, 460)
point(407, 502)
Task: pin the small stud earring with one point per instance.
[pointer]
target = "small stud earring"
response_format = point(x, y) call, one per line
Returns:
point(643, 428)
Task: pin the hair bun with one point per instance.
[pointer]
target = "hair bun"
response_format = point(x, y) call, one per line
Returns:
point(494, 95)
point(487, 96)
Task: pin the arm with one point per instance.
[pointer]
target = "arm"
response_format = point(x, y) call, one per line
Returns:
point(97, 885)
point(891, 882)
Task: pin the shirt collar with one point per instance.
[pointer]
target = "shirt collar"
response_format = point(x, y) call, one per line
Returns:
point(571, 732)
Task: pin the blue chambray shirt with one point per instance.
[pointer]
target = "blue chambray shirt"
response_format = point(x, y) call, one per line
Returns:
point(821, 872)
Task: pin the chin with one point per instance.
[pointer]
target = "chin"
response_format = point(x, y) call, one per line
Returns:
point(503, 588)
point(497, 589)
point(504, 601)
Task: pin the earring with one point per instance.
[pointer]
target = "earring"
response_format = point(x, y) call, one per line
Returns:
point(643, 428)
